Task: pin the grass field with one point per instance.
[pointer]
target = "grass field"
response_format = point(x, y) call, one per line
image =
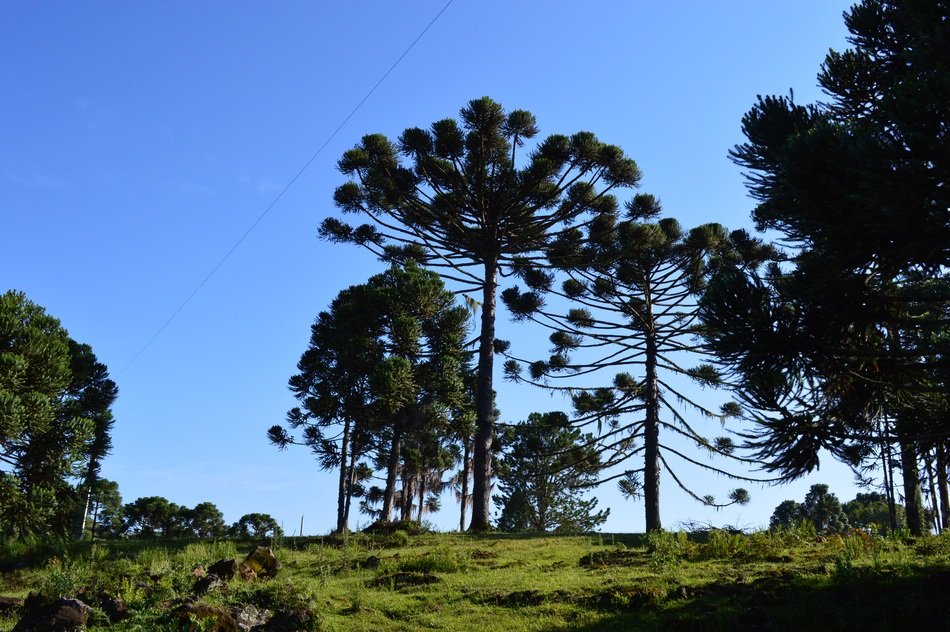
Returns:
point(710, 581)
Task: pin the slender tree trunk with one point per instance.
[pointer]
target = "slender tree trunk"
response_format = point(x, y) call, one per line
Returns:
point(942, 490)
point(408, 492)
point(465, 469)
point(651, 439)
point(484, 405)
point(932, 489)
point(341, 525)
point(422, 495)
point(95, 520)
point(911, 477)
point(85, 509)
point(389, 496)
point(888, 470)
point(349, 487)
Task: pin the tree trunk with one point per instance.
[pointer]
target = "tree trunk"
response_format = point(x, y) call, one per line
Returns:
point(341, 525)
point(422, 496)
point(651, 439)
point(389, 496)
point(932, 489)
point(85, 509)
point(349, 487)
point(942, 490)
point(888, 471)
point(484, 405)
point(95, 521)
point(465, 470)
point(911, 477)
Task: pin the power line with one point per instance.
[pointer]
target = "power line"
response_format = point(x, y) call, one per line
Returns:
point(284, 190)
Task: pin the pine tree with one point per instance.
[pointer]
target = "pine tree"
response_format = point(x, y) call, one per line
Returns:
point(545, 469)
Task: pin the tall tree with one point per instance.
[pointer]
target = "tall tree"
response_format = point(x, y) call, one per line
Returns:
point(333, 385)
point(857, 188)
point(55, 419)
point(90, 396)
point(388, 362)
point(546, 467)
point(629, 301)
point(464, 201)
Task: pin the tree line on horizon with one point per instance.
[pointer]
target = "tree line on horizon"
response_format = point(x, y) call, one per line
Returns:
point(832, 336)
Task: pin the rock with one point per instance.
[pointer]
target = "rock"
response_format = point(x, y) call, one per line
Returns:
point(206, 584)
point(222, 621)
point(115, 608)
point(293, 620)
point(41, 614)
point(246, 573)
point(371, 562)
point(225, 569)
point(249, 616)
point(263, 562)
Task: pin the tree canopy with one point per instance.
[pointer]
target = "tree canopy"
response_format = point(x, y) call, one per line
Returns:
point(545, 469)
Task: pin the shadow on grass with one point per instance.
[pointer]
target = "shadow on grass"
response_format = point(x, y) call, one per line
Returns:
point(851, 599)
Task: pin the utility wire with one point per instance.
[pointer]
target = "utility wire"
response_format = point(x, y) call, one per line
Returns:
point(286, 188)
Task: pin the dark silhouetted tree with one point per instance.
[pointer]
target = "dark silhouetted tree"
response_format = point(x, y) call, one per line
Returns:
point(856, 186)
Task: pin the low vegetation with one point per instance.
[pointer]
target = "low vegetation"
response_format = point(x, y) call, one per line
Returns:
point(715, 579)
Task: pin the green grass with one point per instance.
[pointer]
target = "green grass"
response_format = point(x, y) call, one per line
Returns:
point(712, 581)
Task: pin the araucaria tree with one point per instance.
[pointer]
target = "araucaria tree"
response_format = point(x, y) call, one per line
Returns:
point(845, 346)
point(384, 373)
point(55, 418)
point(545, 469)
point(466, 199)
point(628, 302)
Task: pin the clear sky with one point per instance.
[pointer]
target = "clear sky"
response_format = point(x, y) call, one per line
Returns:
point(140, 141)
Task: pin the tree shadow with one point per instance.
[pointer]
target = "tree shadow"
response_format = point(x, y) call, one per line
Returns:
point(905, 598)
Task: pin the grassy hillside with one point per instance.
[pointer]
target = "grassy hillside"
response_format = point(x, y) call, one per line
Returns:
point(789, 581)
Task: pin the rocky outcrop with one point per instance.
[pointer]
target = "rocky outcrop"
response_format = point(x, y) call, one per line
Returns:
point(262, 562)
point(42, 614)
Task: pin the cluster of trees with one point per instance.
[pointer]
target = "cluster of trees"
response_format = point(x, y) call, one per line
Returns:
point(55, 423)
point(157, 517)
point(822, 510)
point(832, 338)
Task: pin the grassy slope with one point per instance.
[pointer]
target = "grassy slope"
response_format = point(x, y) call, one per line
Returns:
point(481, 583)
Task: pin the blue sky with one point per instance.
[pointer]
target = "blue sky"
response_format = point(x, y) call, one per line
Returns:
point(140, 141)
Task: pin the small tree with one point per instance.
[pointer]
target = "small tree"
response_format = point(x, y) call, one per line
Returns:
point(545, 468)
point(151, 517)
point(255, 525)
point(205, 521)
point(105, 509)
point(786, 516)
point(871, 511)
